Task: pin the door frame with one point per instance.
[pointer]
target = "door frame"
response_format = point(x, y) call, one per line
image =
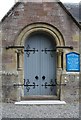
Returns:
point(20, 41)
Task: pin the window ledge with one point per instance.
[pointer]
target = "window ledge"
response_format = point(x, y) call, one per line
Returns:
point(38, 102)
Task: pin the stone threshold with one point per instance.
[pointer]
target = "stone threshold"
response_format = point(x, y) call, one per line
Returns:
point(40, 102)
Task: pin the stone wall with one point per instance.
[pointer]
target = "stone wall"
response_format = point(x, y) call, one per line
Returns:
point(16, 20)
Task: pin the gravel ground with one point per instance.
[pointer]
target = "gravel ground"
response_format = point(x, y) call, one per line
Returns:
point(10, 110)
point(0, 111)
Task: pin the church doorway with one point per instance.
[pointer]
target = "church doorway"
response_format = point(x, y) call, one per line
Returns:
point(40, 65)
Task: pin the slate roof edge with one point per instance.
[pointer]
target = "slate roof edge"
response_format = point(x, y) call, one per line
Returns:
point(60, 3)
point(65, 9)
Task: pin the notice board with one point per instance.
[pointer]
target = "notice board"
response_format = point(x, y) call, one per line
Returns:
point(72, 62)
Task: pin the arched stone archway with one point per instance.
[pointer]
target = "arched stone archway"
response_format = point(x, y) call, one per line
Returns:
point(53, 31)
point(24, 35)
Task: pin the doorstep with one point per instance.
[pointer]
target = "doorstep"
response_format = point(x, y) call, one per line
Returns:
point(42, 102)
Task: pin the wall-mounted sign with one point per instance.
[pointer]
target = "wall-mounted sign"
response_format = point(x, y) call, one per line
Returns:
point(73, 62)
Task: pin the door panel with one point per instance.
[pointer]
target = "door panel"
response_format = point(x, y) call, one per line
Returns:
point(40, 66)
point(48, 66)
point(32, 65)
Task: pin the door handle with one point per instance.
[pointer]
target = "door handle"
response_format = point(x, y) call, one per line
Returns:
point(36, 77)
point(43, 77)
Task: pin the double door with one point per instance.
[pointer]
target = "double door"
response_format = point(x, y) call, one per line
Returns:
point(39, 66)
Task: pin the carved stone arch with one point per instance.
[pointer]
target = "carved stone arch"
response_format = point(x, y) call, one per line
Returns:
point(43, 27)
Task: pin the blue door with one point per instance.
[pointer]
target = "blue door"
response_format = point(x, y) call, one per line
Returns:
point(39, 65)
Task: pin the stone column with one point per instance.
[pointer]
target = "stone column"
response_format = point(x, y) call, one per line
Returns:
point(59, 59)
point(19, 58)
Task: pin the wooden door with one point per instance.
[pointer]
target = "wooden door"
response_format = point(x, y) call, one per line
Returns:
point(39, 65)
